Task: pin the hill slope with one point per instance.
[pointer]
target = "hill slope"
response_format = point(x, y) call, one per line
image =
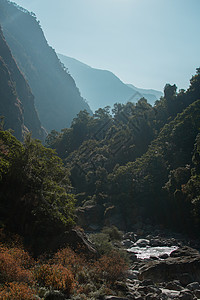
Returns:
point(141, 162)
point(17, 101)
point(57, 98)
point(101, 87)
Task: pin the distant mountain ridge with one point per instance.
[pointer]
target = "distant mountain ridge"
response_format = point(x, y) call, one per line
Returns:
point(101, 87)
point(150, 94)
point(57, 98)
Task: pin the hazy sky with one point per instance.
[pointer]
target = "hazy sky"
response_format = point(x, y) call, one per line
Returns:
point(144, 42)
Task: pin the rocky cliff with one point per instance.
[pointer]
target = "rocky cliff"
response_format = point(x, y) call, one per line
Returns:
point(57, 98)
point(16, 100)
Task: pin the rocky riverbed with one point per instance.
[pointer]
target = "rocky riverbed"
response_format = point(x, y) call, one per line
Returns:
point(161, 268)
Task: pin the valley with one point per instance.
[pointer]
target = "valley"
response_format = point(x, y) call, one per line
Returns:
point(99, 180)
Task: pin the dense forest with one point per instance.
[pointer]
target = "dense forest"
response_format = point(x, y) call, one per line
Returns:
point(138, 160)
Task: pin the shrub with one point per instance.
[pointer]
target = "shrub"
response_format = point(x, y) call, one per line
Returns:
point(13, 264)
point(83, 276)
point(16, 291)
point(113, 233)
point(55, 277)
point(101, 243)
point(111, 267)
point(21, 256)
point(69, 259)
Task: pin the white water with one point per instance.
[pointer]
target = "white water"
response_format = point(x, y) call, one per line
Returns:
point(147, 252)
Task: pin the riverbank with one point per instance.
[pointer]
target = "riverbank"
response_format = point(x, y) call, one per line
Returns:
point(163, 266)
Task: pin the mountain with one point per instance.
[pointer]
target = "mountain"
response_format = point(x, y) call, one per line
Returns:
point(17, 102)
point(101, 87)
point(57, 98)
point(150, 94)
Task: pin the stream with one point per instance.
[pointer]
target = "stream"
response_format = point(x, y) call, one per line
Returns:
point(148, 251)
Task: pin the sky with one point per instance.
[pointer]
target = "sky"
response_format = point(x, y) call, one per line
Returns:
point(144, 42)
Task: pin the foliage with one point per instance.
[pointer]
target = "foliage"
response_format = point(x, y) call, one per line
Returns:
point(104, 241)
point(14, 265)
point(69, 259)
point(172, 149)
point(55, 277)
point(17, 291)
point(126, 159)
point(111, 267)
point(65, 271)
point(35, 189)
point(113, 233)
point(101, 242)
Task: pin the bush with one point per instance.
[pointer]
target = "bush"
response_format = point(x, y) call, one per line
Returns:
point(69, 259)
point(111, 267)
point(101, 242)
point(16, 291)
point(55, 276)
point(13, 265)
point(113, 233)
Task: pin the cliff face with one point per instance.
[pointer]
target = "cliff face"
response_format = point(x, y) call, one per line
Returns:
point(57, 98)
point(10, 106)
point(16, 99)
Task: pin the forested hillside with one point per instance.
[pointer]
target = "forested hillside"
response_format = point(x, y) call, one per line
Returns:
point(139, 161)
point(57, 98)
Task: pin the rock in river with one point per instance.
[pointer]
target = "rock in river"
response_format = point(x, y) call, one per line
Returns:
point(184, 260)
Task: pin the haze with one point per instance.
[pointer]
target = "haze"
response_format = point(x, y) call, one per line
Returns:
point(144, 42)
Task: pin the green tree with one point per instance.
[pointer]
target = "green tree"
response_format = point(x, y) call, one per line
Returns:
point(35, 188)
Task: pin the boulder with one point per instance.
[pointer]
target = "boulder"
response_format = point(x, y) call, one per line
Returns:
point(132, 257)
point(184, 295)
point(169, 294)
point(115, 298)
point(163, 256)
point(174, 285)
point(90, 217)
point(132, 275)
point(75, 239)
point(174, 267)
point(184, 251)
point(54, 295)
point(146, 282)
point(151, 296)
point(156, 242)
point(197, 293)
point(142, 243)
point(153, 257)
point(127, 243)
point(193, 286)
point(130, 235)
